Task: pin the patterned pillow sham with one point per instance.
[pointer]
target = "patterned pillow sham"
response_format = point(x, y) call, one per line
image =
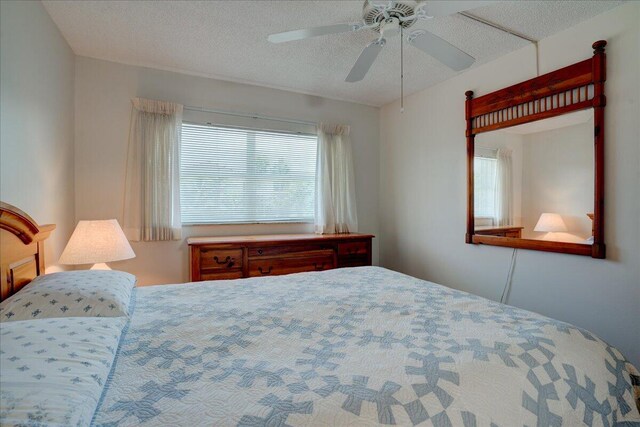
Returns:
point(53, 371)
point(87, 293)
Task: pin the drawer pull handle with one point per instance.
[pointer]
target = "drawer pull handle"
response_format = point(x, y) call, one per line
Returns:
point(216, 259)
point(354, 251)
point(265, 272)
point(259, 251)
point(228, 261)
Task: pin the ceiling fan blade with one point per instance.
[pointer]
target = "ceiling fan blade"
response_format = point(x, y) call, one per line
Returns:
point(443, 8)
point(365, 60)
point(441, 50)
point(306, 33)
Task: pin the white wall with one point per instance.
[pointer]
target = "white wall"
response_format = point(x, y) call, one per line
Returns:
point(557, 176)
point(36, 120)
point(103, 93)
point(423, 190)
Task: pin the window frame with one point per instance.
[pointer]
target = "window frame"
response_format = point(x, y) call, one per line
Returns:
point(490, 154)
point(236, 126)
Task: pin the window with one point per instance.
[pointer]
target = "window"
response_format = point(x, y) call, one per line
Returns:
point(239, 175)
point(484, 176)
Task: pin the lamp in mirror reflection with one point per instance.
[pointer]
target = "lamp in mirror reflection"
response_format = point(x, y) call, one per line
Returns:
point(97, 242)
point(550, 223)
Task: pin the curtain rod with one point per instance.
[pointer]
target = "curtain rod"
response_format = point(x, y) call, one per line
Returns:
point(250, 116)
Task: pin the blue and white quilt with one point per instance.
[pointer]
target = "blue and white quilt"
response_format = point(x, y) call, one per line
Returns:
point(357, 347)
point(53, 371)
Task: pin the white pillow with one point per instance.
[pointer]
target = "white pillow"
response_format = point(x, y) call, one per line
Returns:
point(87, 293)
point(53, 371)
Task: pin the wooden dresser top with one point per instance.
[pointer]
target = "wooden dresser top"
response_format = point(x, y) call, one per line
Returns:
point(264, 238)
point(498, 227)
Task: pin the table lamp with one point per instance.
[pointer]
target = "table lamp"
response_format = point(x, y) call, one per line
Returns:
point(97, 242)
point(551, 223)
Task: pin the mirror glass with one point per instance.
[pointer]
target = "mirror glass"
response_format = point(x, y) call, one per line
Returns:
point(536, 180)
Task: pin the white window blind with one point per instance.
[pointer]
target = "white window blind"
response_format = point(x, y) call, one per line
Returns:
point(237, 175)
point(484, 176)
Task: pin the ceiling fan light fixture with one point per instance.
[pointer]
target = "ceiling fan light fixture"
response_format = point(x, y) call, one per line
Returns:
point(390, 28)
point(402, 10)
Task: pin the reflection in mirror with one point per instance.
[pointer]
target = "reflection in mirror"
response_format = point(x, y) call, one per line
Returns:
point(536, 181)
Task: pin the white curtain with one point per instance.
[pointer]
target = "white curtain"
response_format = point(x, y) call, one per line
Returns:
point(152, 193)
point(504, 188)
point(335, 207)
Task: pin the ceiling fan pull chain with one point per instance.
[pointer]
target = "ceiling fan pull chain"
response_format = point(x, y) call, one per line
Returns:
point(401, 70)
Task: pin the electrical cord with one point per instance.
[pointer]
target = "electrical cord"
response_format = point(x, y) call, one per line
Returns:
point(401, 69)
point(507, 285)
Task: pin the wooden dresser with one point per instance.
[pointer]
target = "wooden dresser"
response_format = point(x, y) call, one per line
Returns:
point(234, 257)
point(504, 231)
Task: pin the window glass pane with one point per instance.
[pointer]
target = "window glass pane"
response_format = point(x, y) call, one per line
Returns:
point(484, 175)
point(244, 175)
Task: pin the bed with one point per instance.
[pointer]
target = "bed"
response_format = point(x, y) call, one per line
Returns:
point(352, 346)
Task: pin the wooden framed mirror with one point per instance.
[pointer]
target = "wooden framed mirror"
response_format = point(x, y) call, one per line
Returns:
point(535, 162)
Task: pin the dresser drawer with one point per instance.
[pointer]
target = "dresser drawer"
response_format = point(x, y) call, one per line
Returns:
point(260, 251)
point(292, 263)
point(220, 259)
point(353, 248)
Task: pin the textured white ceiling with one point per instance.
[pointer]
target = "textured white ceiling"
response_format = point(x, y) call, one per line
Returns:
point(228, 40)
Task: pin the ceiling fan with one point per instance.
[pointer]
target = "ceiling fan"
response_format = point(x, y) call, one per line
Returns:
point(390, 19)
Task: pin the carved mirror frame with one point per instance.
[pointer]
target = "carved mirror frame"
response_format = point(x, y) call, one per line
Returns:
point(553, 94)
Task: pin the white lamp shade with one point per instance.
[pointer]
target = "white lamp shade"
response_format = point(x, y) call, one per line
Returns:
point(551, 223)
point(97, 242)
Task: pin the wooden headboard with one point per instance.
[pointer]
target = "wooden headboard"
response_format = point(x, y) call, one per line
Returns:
point(21, 249)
